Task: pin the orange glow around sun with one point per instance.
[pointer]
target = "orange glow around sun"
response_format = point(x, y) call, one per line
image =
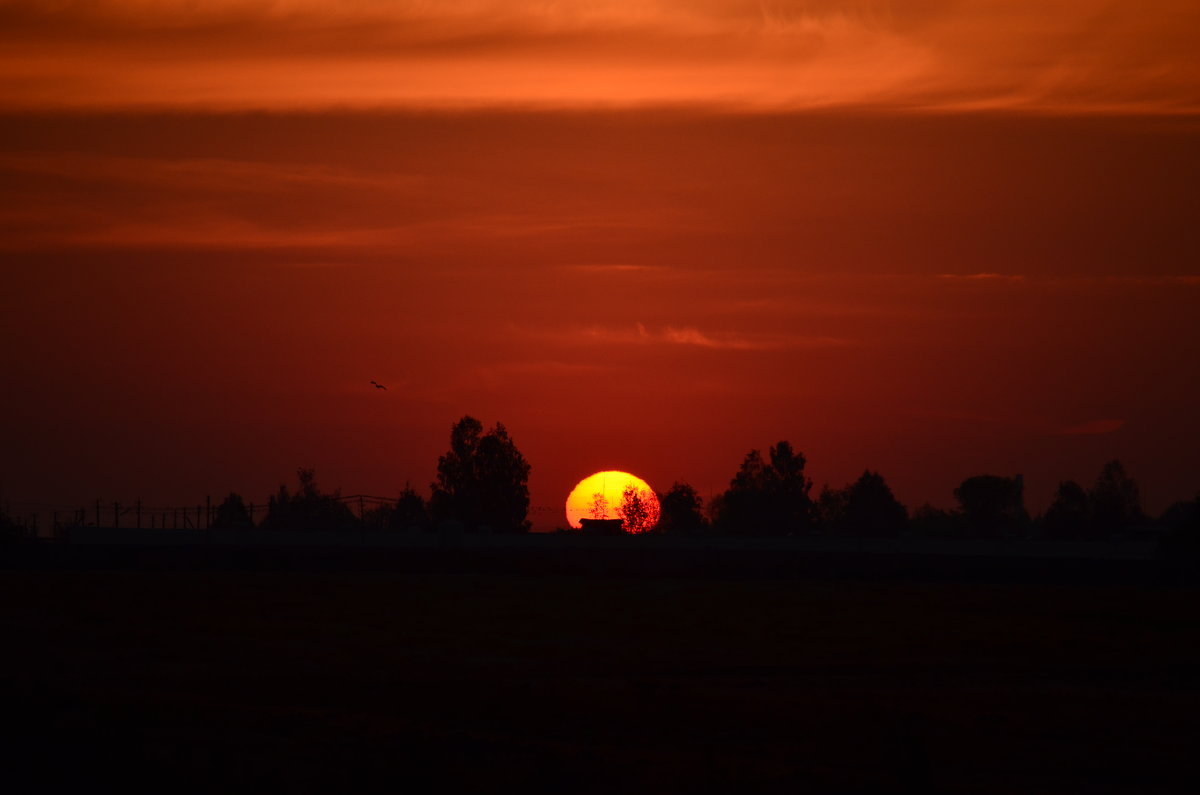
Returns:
point(602, 496)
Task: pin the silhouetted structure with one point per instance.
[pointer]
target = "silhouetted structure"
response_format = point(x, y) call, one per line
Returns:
point(993, 506)
point(767, 498)
point(602, 527)
point(482, 481)
point(680, 511)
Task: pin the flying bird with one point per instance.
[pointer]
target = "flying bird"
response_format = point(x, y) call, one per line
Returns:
point(377, 385)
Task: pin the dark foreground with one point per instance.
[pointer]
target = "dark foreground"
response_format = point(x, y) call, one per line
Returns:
point(311, 678)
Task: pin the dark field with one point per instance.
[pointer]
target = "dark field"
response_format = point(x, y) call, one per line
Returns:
point(325, 681)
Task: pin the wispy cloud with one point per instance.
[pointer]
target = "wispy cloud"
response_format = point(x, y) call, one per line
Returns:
point(616, 268)
point(639, 334)
point(982, 277)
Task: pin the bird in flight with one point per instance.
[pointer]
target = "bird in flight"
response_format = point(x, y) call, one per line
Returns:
point(377, 385)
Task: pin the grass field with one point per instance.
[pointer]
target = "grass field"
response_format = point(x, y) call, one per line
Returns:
point(327, 681)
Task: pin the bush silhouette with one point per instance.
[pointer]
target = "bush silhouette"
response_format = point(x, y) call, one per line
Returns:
point(10, 529)
point(866, 507)
point(1068, 516)
point(993, 506)
point(309, 509)
point(930, 522)
point(411, 511)
point(680, 511)
point(1179, 547)
point(232, 513)
point(1115, 501)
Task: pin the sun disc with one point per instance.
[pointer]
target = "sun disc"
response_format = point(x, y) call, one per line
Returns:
point(602, 496)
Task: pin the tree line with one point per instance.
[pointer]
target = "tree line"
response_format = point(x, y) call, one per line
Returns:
point(482, 485)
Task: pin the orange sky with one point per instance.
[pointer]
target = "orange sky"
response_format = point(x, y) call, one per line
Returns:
point(1082, 55)
point(933, 238)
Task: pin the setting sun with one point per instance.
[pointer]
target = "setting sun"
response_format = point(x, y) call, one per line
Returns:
point(603, 496)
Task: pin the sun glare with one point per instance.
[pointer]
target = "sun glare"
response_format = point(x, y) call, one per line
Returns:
point(604, 496)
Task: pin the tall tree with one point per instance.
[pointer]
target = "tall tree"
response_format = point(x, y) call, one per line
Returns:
point(483, 480)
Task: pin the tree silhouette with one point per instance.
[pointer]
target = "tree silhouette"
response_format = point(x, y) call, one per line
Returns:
point(1115, 501)
point(1183, 513)
point(309, 509)
point(768, 498)
point(993, 506)
point(483, 480)
point(866, 507)
point(10, 529)
point(680, 511)
point(930, 522)
point(1069, 515)
point(232, 513)
point(410, 512)
point(1179, 547)
point(599, 509)
point(830, 509)
point(638, 511)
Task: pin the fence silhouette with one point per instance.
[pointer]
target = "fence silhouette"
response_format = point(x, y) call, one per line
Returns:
point(115, 514)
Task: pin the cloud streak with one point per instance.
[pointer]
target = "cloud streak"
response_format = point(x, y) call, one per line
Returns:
point(690, 336)
point(1060, 55)
point(983, 277)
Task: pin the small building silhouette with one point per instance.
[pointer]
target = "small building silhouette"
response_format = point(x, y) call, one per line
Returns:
point(602, 527)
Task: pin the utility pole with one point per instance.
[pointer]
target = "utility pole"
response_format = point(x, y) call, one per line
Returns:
point(207, 512)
